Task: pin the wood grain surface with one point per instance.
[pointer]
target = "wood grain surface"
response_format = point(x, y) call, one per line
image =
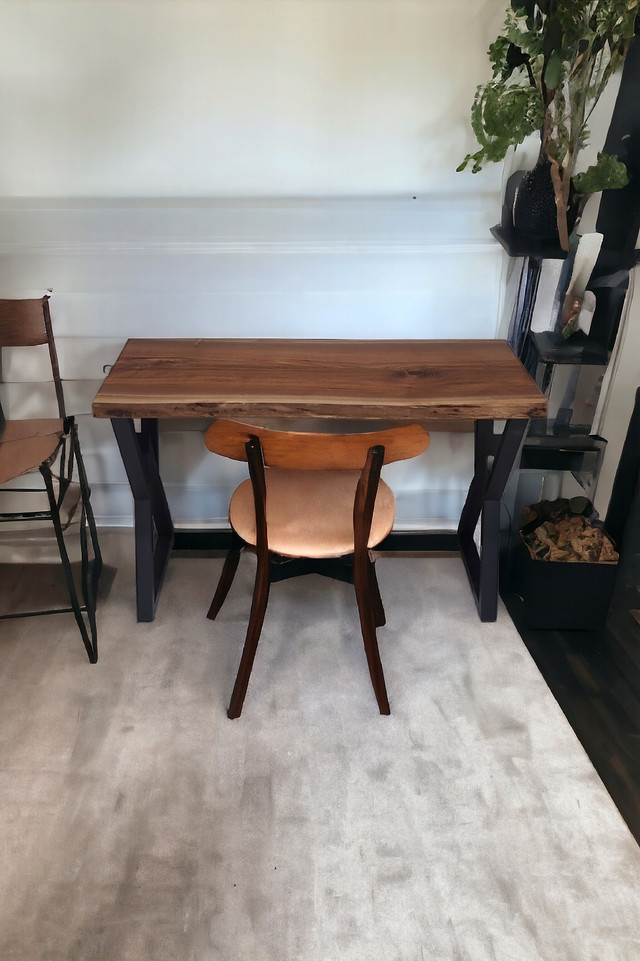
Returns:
point(368, 379)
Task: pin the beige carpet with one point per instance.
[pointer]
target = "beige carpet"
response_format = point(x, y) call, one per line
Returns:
point(137, 823)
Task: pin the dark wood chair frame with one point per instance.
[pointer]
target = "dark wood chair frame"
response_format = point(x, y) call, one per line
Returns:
point(358, 568)
point(61, 465)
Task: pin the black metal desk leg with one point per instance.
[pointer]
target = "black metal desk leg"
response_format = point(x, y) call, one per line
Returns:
point(152, 519)
point(483, 503)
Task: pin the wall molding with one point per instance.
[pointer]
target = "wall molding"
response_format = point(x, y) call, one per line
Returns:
point(105, 248)
point(311, 222)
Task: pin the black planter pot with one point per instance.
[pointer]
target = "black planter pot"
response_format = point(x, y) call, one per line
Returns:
point(534, 205)
point(534, 208)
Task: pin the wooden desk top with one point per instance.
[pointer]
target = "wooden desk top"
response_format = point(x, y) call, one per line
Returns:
point(364, 379)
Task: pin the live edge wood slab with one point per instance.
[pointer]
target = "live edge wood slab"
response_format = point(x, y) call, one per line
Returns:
point(451, 380)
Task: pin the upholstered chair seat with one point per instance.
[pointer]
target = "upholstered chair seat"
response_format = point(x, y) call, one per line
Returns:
point(310, 512)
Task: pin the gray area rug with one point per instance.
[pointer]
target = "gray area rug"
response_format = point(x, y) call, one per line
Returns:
point(137, 823)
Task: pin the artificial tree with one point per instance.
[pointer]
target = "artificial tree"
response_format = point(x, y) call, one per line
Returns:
point(551, 63)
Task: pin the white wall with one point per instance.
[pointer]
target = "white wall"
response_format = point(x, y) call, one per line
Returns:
point(244, 167)
point(237, 98)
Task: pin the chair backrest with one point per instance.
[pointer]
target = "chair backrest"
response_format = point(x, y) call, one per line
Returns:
point(311, 451)
point(364, 452)
point(27, 323)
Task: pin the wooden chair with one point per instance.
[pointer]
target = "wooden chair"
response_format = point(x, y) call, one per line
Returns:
point(310, 499)
point(51, 447)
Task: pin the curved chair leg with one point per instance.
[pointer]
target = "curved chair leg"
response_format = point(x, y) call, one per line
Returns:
point(229, 569)
point(378, 609)
point(366, 610)
point(256, 620)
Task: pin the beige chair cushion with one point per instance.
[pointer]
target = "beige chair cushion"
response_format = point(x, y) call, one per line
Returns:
point(310, 512)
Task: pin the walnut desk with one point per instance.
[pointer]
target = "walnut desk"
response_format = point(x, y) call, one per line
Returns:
point(478, 381)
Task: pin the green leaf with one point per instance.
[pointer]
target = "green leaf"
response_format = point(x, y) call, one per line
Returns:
point(608, 173)
point(562, 51)
point(501, 117)
point(553, 71)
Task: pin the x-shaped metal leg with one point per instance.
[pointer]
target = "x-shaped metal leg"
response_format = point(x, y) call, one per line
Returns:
point(154, 532)
point(495, 458)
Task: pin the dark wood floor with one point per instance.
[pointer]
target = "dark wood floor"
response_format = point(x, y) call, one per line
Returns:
point(595, 677)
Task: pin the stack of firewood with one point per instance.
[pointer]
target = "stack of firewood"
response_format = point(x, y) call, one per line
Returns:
point(567, 537)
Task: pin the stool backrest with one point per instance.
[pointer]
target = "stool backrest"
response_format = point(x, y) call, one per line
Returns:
point(27, 323)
